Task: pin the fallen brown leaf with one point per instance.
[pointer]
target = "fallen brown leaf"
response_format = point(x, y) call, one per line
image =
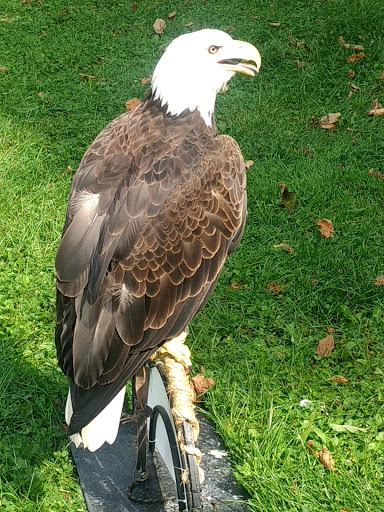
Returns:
point(351, 73)
point(379, 281)
point(131, 104)
point(248, 164)
point(352, 88)
point(347, 46)
point(300, 63)
point(325, 346)
point(353, 130)
point(58, 403)
point(145, 80)
point(328, 126)
point(273, 287)
point(331, 329)
point(134, 5)
point(378, 174)
point(325, 458)
point(3, 68)
point(325, 228)
point(275, 25)
point(171, 15)
point(331, 118)
point(235, 285)
point(355, 57)
point(230, 30)
point(190, 24)
point(301, 44)
point(306, 151)
point(339, 379)
point(159, 26)
point(381, 76)
point(376, 112)
point(87, 77)
point(377, 109)
point(201, 384)
point(287, 198)
point(284, 246)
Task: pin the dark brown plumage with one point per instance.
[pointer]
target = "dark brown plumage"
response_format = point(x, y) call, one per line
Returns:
point(171, 207)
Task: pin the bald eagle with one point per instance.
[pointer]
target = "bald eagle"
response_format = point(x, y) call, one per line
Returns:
point(156, 205)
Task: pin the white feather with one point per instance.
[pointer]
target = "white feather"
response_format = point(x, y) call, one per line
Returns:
point(187, 75)
point(102, 429)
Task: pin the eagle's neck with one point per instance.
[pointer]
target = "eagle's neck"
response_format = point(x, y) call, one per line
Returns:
point(181, 116)
point(180, 95)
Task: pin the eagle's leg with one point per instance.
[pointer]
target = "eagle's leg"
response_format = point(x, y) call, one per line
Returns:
point(175, 358)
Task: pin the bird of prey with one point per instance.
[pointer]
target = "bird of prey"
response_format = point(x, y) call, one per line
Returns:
point(157, 204)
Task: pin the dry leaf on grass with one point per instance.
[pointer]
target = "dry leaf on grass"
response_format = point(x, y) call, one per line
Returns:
point(3, 68)
point(331, 329)
point(378, 174)
point(325, 346)
point(287, 198)
point(201, 384)
point(159, 26)
point(339, 379)
point(284, 246)
point(329, 121)
point(171, 15)
point(352, 88)
point(190, 24)
point(302, 44)
point(355, 57)
point(132, 103)
point(273, 287)
point(274, 25)
point(235, 285)
point(356, 47)
point(379, 281)
point(87, 77)
point(377, 109)
point(324, 456)
point(145, 80)
point(248, 164)
point(325, 228)
point(306, 151)
point(58, 403)
point(381, 76)
point(351, 73)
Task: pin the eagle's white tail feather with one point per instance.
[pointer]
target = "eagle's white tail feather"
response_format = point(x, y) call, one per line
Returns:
point(103, 428)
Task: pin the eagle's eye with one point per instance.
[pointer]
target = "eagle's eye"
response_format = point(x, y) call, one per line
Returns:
point(213, 49)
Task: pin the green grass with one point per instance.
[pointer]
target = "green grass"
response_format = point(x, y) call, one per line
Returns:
point(257, 345)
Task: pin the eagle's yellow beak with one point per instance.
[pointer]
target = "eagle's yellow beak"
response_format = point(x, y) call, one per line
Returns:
point(242, 58)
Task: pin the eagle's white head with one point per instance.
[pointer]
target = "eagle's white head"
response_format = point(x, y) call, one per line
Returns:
point(196, 66)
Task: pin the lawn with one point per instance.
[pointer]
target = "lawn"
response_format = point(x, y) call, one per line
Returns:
point(66, 69)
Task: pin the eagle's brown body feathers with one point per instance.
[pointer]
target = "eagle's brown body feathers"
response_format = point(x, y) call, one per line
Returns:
point(157, 204)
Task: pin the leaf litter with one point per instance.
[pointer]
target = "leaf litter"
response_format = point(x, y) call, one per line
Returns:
point(324, 456)
point(325, 346)
point(287, 198)
point(325, 228)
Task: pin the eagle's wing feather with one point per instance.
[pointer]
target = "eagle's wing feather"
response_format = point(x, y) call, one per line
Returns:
point(164, 211)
